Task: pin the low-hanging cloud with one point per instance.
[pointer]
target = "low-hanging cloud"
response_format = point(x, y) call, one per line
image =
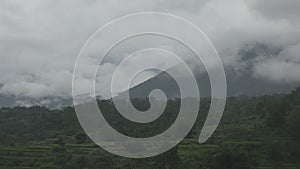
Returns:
point(40, 40)
point(284, 68)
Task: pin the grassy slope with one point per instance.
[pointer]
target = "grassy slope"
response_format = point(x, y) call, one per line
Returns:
point(190, 151)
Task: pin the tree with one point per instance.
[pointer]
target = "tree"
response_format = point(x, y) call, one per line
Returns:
point(81, 162)
point(59, 141)
point(293, 122)
point(172, 158)
point(260, 110)
point(80, 138)
point(276, 113)
point(234, 158)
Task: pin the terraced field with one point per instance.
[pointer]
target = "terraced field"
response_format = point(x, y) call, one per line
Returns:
point(191, 153)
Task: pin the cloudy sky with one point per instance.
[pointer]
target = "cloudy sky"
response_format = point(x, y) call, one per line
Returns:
point(40, 39)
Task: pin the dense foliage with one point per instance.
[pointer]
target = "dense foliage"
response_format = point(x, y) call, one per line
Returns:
point(255, 132)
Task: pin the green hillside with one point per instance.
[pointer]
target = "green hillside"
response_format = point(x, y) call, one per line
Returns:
point(255, 132)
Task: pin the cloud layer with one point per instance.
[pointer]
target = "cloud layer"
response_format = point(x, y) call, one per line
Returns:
point(40, 40)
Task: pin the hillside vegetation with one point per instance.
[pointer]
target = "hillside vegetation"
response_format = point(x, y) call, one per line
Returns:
point(255, 132)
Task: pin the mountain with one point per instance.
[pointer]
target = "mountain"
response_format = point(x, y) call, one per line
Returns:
point(239, 76)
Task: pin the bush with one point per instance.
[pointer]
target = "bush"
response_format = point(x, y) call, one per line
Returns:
point(234, 158)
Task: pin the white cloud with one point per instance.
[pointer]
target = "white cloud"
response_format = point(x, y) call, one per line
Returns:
point(27, 89)
point(40, 40)
point(285, 68)
point(282, 71)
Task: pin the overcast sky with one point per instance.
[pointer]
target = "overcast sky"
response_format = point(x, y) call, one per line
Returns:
point(40, 39)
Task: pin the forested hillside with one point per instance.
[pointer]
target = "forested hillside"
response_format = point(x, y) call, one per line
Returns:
point(255, 132)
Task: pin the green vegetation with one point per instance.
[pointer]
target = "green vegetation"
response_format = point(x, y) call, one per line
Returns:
point(261, 132)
